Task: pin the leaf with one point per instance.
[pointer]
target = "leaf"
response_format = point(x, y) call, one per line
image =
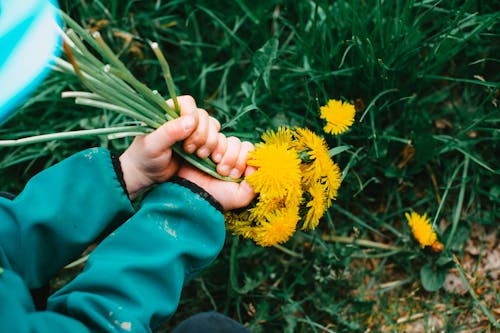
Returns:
point(444, 260)
point(263, 59)
point(432, 278)
point(338, 150)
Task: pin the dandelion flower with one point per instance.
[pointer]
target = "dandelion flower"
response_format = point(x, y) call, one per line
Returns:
point(317, 162)
point(278, 170)
point(316, 206)
point(421, 229)
point(339, 116)
point(279, 227)
point(265, 206)
point(240, 223)
point(283, 136)
point(333, 179)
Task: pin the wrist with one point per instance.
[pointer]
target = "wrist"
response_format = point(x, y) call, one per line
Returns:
point(133, 179)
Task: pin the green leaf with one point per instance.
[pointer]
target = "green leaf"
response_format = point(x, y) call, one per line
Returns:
point(263, 59)
point(432, 278)
point(338, 150)
point(444, 260)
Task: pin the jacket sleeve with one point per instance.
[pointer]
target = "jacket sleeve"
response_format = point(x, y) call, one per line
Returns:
point(17, 312)
point(59, 213)
point(133, 279)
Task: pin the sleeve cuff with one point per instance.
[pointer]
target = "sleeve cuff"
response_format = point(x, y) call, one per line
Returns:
point(198, 190)
point(119, 172)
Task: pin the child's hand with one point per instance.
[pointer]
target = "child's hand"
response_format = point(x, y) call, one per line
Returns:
point(150, 160)
point(231, 162)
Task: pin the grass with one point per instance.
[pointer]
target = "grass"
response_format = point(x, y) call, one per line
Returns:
point(424, 78)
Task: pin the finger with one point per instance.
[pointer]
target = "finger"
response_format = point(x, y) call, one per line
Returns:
point(200, 134)
point(212, 139)
point(245, 194)
point(241, 162)
point(242, 196)
point(230, 156)
point(187, 106)
point(169, 133)
point(220, 149)
point(216, 123)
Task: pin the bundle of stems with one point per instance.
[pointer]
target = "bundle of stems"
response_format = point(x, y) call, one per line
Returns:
point(111, 86)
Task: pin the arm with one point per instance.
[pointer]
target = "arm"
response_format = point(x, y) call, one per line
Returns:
point(66, 207)
point(135, 276)
point(17, 313)
point(60, 211)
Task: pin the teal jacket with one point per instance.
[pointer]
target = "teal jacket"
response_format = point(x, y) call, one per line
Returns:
point(132, 280)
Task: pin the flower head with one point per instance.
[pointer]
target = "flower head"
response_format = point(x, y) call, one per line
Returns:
point(339, 116)
point(421, 229)
point(315, 206)
point(240, 223)
point(278, 170)
point(332, 180)
point(283, 136)
point(278, 228)
point(318, 167)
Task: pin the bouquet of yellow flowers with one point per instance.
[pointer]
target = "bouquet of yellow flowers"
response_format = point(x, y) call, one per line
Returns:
point(295, 181)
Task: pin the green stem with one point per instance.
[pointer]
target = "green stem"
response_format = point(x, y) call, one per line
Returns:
point(112, 107)
point(143, 89)
point(129, 130)
point(287, 251)
point(361, 242)
point(167, 75)
point(460, 201)
point(128, 77)
point(82, 33)
point(445, 194)
point(204, 165)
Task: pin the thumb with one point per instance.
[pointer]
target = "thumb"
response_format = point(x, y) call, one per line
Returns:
point(171, 132)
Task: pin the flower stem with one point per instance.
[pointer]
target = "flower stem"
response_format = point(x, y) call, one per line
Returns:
point(361, 242)
point(124, 130)
point(287, 251)
point(166, 74)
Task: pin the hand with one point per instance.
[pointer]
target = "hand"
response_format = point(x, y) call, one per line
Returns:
point(150, 159)
point(231, 160)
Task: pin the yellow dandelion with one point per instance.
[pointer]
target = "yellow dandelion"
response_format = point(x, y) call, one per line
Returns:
point(240, 223)
point(265, 205)
point(278, 228)
point(421, 229)
point(278, 170)
point(283, 136)
point(316, 206)
point(317, 162)
point(339, 116)
point(332, 180)
point(320, 166)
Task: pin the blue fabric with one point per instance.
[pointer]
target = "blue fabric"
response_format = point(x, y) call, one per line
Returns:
point(29, 38)
point(134, 277)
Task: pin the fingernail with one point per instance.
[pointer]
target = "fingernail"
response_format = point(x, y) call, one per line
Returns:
point(203, 152)
point(187, 122)
point(224, 169)
point(235, 173)
point(190, 149)
point(217, 157)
